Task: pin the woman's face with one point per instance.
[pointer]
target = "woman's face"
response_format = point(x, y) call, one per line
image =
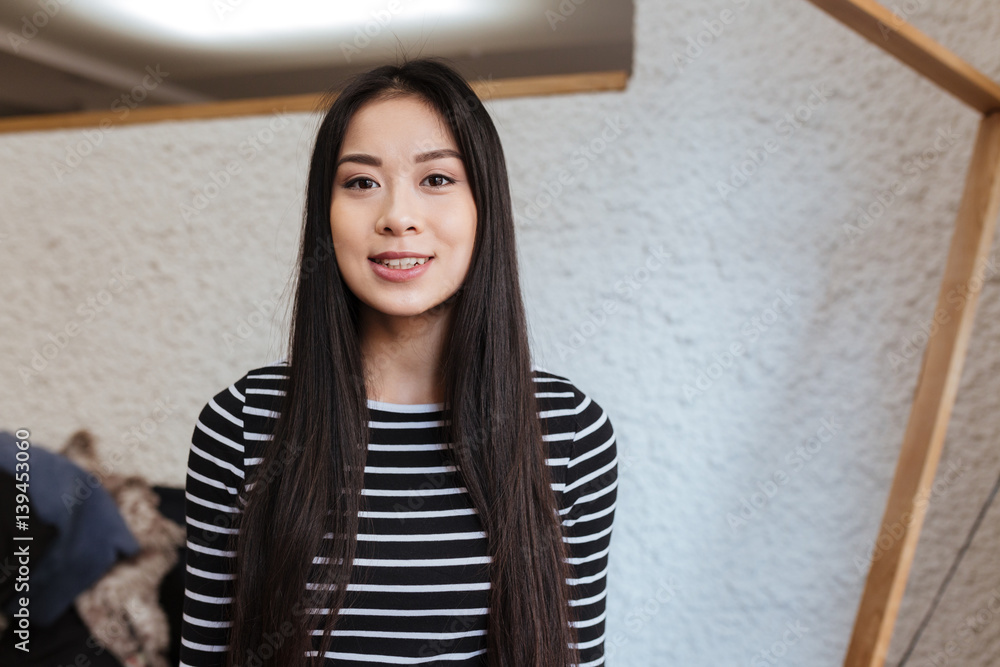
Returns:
point(401, 187)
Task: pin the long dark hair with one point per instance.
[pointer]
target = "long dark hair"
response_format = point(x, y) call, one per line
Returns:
point(494, 427)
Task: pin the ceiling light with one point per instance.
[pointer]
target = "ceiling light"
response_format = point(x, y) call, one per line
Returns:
point(214, 19)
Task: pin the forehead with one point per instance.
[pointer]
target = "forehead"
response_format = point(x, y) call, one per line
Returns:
point(406, 124)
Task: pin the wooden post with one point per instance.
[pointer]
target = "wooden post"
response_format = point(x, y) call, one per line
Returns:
point(937, 384)
point(893, 34)
point(941, 367)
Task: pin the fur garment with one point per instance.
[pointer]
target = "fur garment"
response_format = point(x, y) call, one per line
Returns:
point(122, 609)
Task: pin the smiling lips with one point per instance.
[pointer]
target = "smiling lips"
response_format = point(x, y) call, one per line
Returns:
point(399, 266)
point(404, 263)
point(400, 259)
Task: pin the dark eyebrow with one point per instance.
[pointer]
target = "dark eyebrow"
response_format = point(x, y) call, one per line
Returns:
point(371, 160)
point(437, 154)
point(360, 158)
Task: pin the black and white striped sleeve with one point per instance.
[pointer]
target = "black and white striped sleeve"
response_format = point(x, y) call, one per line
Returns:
point(214, 479)
point(590, 493)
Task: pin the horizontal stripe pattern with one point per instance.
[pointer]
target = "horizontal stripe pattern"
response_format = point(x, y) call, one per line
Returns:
point(419, 588)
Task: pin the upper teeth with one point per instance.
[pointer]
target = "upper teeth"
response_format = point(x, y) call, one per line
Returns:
point(404, 263)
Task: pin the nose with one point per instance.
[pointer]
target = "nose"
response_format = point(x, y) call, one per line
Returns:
point(400, 213)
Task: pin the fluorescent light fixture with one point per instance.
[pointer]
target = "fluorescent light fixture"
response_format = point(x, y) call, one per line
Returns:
point(215, 19)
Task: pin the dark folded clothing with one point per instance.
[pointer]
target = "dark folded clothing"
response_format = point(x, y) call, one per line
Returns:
point(66, 642)
point(172, 586)
point(91, 533)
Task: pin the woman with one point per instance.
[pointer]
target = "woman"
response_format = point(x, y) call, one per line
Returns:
point(406, 487)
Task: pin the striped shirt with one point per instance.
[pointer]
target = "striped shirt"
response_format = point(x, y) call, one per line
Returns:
point(420, 580)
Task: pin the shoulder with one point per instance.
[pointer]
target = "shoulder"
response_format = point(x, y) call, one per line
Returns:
point(551, 387)
point(559, 397)
point(234, 397)
point(228, 416)
point(263, 389)
point(278, 367)
point(565, 407)
point(581, 437)
point(266, 382)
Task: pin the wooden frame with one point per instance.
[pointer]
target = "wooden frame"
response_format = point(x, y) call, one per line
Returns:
point(511, 87)
point(941, 367)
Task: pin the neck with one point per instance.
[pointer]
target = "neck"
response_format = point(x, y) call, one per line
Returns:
point(403, 356)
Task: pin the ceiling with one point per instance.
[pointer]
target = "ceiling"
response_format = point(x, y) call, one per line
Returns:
point(85, 55)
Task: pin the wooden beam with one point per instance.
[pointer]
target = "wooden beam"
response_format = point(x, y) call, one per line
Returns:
point(891, 32)
point(937, 385)
point(487, 89)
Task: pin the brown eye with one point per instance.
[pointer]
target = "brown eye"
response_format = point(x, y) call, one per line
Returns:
point(437, 180)
point(356, 184)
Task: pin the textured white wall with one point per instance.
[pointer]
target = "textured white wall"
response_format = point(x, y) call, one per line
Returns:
point(696, 439)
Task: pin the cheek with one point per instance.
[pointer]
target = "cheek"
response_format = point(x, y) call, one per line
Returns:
point(463, 243)
point(471, 227)
point(461, 228)
point(341, 228)
point(337, 216)
point(343, 246)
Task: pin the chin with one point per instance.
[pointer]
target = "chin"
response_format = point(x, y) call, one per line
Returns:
point(401, 310)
